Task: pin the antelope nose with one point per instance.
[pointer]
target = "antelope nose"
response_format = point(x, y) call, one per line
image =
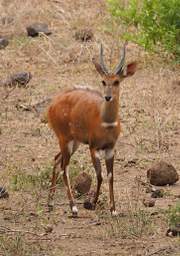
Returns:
point(108, 98)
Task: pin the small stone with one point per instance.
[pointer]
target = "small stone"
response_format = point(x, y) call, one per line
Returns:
point(88, 205)
point(162, 174)
point(48, 229)
point(3, 43)
point(148, 202)
point(84, 35)
point(157, 193)
point(88, 202)
point(33, 214)
point(36, 28)
point(3, 193)
point(21, 79)
point(82, 183)
point(8, 218)
point(173, 231)
point(154, 213)
point(130, 163)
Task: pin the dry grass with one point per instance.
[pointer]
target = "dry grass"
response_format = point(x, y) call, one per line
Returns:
point(133, 221)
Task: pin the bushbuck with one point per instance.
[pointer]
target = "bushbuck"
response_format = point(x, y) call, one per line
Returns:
point(83, 115)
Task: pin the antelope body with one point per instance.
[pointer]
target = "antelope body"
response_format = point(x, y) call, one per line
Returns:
point(86, 116)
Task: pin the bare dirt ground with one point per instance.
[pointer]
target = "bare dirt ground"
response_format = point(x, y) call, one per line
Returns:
point(150, 114)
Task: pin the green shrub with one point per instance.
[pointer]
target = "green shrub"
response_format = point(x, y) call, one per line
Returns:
point(156, 23)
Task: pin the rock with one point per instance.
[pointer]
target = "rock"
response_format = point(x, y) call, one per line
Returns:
point(23, 107)
point(88, 205)
point(84, 35)
point(148, 202)
point(82, 183)
point(3, 193)
point(88, 202)
point(162, 174)
point(40, 109)
point(36, 28)
point(3, 43)
point(21, 79)
point(157, 193)
point(173, 231)
point(48, 229)
point(130, 163)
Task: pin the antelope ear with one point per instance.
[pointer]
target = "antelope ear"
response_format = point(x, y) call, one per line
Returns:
point(98, 67)
point(130, 69)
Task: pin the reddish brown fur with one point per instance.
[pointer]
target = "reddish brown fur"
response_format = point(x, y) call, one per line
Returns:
point(75, 115)
point(85, 116)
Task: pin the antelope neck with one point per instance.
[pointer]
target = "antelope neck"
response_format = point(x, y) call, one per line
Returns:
point(109, 112)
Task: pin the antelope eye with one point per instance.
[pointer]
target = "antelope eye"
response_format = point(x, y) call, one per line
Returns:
point(103, 83)
point(116, 83)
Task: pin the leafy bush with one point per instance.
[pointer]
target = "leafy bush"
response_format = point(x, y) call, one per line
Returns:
point(156, 23)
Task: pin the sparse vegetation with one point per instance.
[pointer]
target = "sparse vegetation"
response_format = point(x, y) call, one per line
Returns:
point(174, 215)
point(21, 181)
point(156, 23)
point(17, 246)
point(136, 224)
point(132, 222)
point(26, 182)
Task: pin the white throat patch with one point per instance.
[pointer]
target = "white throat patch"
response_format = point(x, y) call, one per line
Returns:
point(107, 125)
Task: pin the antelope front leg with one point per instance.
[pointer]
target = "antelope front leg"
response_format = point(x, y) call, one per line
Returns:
point(97, 167)
point(109, 160)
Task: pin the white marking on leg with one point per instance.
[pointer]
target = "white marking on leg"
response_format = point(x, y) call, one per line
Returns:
point(106, 125)
point(114, 213)
point(67, 174)
point(109, 153)
point(61, 173)
point(97, 155)
point(74, 209)
point(109, 176)
point(121, 134)
point(70, 147)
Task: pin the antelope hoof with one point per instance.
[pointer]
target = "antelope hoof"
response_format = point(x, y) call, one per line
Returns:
point(89, 205)
point(74, 211)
